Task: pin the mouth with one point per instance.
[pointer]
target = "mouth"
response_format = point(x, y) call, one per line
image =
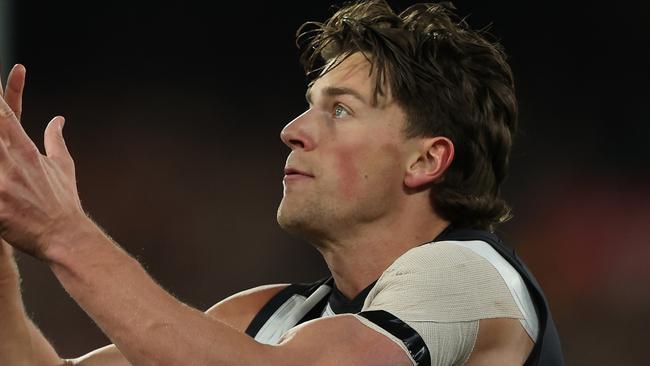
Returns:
point(290, 172)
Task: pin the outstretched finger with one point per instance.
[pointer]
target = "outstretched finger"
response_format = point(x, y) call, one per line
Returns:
point(11, 132)
point(14, 91)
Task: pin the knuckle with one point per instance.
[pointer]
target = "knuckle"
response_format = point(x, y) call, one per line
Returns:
point(13, 174)
point(29, 152)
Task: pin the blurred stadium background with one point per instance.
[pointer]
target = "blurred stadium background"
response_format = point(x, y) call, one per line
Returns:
point(174, 112)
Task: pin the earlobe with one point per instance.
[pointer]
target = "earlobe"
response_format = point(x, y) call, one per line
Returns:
point(430, 163)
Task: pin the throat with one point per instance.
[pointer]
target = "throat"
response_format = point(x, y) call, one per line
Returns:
point(341, 304)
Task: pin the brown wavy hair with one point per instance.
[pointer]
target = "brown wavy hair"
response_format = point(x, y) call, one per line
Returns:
point(450, 80)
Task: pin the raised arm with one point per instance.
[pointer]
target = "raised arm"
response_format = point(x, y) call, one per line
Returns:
point(40, 214)
point(21, 343)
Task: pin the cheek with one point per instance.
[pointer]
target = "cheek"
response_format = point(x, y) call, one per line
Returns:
point(348, 171)
point(358, 166)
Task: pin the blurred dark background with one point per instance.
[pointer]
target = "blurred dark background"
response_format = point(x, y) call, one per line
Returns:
point(174, 112)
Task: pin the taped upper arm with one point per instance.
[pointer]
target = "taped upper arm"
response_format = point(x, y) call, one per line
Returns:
point(340, 340)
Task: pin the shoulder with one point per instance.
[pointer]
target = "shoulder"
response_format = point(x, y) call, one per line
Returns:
point(446, 260)
point(456, 293)
point(440, 255)
point(449, 281)
point(238, 310)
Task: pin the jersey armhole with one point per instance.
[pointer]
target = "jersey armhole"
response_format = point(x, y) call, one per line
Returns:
point(398, 331)
point(268, 309)
point(276, 301)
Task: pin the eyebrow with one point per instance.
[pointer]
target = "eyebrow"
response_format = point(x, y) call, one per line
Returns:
point(332, 91)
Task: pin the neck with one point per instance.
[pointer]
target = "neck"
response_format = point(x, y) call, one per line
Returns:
point(356, 263)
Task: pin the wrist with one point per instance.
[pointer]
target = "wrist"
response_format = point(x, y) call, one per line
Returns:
point(73, 235)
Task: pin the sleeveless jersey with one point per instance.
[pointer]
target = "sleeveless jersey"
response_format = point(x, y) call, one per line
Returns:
point(301, 302)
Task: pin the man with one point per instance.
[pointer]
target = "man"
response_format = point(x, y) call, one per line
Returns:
point(393, 175)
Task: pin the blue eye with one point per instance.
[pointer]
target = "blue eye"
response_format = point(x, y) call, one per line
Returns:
point(340, 111)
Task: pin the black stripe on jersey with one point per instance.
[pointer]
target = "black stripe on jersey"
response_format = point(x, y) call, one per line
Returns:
point(267, 310)
point(402, 331)
point(342, 305)
point(276, 301)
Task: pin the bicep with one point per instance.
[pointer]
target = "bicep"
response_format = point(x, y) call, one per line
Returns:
point(340, 340)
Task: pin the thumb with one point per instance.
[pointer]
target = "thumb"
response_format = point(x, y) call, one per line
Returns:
point(55, 147)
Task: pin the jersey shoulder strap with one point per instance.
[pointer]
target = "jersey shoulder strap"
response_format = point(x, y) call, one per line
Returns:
point(295, 304)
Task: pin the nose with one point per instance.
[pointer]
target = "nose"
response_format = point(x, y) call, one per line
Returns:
point(298, 133)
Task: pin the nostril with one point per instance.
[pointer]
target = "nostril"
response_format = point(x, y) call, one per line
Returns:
point(295, 142)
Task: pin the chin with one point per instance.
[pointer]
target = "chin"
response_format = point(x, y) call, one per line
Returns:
point(300, 223)
point(291, 222)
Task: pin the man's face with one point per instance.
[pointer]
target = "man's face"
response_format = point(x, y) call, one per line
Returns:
point(348, 157)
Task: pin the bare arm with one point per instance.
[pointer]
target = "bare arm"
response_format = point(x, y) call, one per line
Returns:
point(237, 311)
point(21, 343)
point(147, 324)
point(41, 214)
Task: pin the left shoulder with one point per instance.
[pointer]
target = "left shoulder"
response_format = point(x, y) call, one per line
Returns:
point(442, 269)
point(450, 281)
point(447, 253)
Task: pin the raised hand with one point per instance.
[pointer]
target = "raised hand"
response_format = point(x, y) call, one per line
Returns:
point(38, 193)
point(13, 98)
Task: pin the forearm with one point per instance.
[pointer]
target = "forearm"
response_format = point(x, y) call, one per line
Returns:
point(21, 343)
point(147, 324)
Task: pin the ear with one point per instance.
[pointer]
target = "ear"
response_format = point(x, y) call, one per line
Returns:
point(430, 162)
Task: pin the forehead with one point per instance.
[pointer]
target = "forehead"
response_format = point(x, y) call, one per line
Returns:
point(354, 72)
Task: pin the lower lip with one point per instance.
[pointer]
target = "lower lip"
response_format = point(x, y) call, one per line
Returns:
point(295, 177)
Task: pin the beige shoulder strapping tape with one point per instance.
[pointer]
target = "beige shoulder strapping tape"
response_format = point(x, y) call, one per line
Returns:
point(443, 289)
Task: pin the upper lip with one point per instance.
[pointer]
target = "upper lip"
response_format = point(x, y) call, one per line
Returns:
point(291, 170)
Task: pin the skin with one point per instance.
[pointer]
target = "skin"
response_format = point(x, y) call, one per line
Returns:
point(362, 166)
point(362, 189)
